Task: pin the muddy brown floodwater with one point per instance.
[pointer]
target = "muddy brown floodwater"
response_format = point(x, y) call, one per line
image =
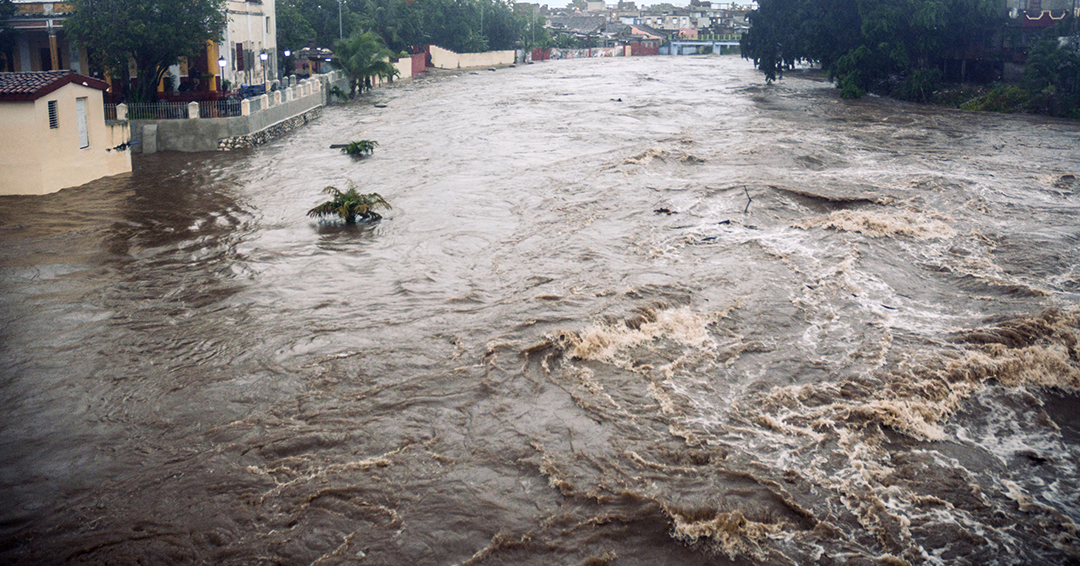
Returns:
point(627, 311)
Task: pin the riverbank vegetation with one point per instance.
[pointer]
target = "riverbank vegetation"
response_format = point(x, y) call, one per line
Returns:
point(903, 48)
point(464, 27)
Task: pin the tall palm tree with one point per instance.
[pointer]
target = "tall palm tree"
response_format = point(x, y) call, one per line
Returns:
point(363, 56)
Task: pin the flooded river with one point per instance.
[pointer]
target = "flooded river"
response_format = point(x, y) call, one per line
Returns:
point(629, 311)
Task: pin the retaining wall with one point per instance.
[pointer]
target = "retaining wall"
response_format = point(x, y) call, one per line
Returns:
point(446, 59)
point(208, 134)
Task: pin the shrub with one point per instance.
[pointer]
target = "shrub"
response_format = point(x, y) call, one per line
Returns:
point(1001, 98)
point(361, 147)
point(336, 91)
point(350, 205)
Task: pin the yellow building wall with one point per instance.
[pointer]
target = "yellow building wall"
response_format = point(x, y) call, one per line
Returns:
point(36, 159)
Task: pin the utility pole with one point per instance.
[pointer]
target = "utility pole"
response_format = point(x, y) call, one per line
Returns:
point(340, 34)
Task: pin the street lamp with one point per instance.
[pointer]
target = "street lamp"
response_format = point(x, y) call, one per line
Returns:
point(263, 57)
point(221, 62)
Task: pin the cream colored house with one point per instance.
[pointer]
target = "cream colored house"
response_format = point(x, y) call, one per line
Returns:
point(53, 133)
point(251, 32)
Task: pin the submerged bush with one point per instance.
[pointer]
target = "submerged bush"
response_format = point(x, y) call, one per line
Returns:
point(361, 147)
point(350, 205)
point(336, 91)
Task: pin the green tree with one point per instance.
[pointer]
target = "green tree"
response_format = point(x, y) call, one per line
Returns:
point(893, 47)
point(293, 32)
point(7, 36)
point(293, 29)
point(350, 205)
point(459, 25)
point(153, 34)
point(1052, 77)
point(363, 56)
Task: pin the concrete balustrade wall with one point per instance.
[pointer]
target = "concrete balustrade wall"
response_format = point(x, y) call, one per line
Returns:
point(276, 112)
point(206, 134)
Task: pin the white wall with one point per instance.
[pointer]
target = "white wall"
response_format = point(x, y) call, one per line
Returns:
point(248, 25)
point(446, 59)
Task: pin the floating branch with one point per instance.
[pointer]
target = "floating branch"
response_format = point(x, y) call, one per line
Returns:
point(748, 199)
point(361, 147)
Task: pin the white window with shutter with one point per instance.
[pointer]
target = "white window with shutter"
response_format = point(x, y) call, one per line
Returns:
point(84, 134)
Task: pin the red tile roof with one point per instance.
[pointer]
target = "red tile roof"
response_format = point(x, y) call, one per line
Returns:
point(34, 85)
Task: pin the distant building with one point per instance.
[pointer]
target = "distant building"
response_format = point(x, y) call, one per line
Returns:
point(53, 133)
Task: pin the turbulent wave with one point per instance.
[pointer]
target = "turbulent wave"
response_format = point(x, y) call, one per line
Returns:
point(874, 461)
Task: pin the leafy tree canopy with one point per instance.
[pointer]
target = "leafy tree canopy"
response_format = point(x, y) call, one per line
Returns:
point(293, 29)
point(7, 35)
point(1052, 78)
point(152, 33)
point(460, 25)
point(889, 46)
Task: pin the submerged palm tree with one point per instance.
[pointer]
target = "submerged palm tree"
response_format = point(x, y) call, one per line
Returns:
point(360, 147)
point(350, 205)
point(363, 56)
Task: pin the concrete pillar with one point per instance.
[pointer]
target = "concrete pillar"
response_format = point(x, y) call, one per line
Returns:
point(193, 110)
point(264, 102)
point(277, 97)
point(245, 107)
point(149, 139)
point(121, 111)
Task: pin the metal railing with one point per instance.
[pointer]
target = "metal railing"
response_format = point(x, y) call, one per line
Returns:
point(157, 111)
point(224, 108)
point(719, 37)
